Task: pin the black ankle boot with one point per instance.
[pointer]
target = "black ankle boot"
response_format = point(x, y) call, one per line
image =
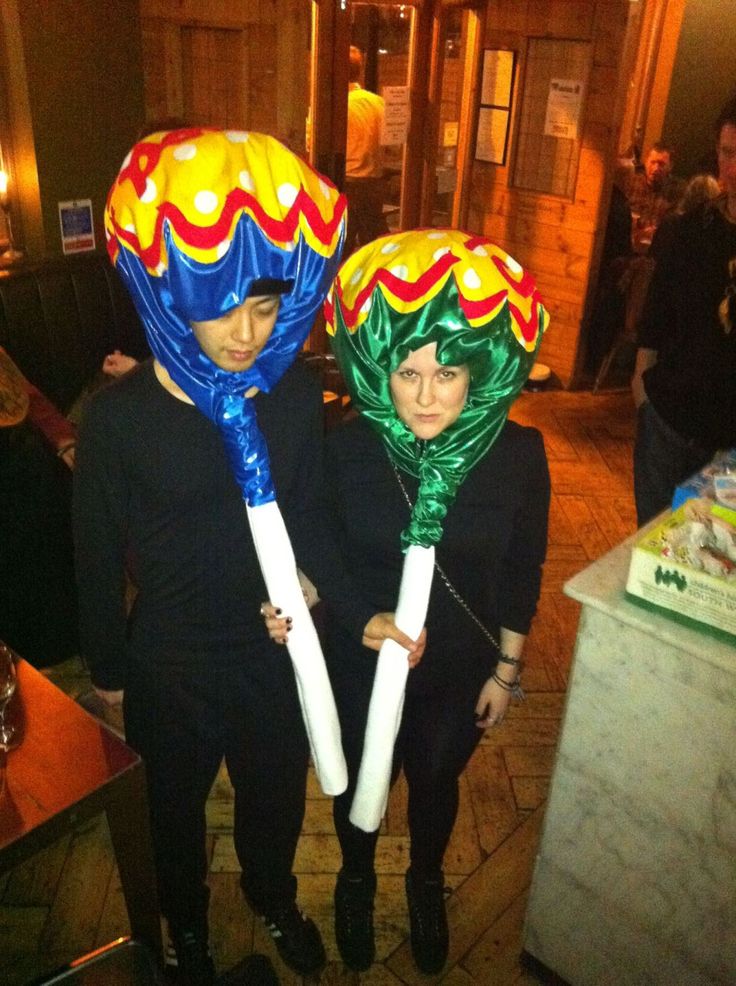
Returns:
point(354, 920)
point(430, 937)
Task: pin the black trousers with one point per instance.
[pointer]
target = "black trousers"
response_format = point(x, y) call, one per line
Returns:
point(366, 220)
point(183, 721)
point(662, 460)
point(436, 739)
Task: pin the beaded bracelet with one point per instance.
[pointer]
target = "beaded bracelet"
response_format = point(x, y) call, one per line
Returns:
point(511, 686)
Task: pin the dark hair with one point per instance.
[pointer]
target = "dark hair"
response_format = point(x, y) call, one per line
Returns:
point(263, 286)
point(659, 147)
point(726, 116)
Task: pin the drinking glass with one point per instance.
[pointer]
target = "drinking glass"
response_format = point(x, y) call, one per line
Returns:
point(7, 687)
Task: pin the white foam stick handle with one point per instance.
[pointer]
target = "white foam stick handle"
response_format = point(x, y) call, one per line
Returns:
point(387, 697)
point(278, 566)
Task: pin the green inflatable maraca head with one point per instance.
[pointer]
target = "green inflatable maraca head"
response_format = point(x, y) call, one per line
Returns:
point(466, 295)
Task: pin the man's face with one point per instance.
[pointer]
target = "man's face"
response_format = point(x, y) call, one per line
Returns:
point(658, 166)
point(727, 159)
point(234, 340)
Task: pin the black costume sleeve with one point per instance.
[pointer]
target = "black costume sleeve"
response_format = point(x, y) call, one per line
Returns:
point(99, 511)
point(658, 314)
point(518, 590)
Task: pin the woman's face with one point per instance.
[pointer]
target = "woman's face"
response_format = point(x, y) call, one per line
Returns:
point(428, 397)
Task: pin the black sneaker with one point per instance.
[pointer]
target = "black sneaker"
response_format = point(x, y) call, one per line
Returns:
point(354, 920)
point(430, 937)
point(188, 960)
point(297, 939)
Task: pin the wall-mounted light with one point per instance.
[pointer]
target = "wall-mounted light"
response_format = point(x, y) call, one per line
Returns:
point(10, 253)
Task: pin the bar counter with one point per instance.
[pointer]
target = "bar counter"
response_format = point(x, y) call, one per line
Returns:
point(635, 880)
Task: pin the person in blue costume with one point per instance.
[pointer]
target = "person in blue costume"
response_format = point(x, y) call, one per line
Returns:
point(227, 243)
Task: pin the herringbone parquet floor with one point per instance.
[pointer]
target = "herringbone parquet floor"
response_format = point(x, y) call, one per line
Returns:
point(67, 900)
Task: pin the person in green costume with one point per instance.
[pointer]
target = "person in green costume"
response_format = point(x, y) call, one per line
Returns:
point(443, 502)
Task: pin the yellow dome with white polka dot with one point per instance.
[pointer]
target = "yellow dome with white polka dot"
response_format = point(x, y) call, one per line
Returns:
point(411, 268)
point(200, 182)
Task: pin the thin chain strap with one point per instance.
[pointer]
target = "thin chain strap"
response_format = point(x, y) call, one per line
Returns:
point(516, 690)
point(450, 587)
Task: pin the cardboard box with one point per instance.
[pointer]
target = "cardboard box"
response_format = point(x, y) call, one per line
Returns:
point(702, 483)
point(660, 576)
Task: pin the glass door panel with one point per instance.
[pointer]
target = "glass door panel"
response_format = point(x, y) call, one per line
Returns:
point(382, 35)
point(449, 108)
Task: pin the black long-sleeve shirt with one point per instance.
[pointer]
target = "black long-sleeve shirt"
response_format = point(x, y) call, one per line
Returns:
point(689, 318)
point(154, 489)
point(492, 548)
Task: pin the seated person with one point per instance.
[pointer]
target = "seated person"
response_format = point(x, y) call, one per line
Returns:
point(652, 193)
point(699, 190)
point(115, 364)
point(38, 606)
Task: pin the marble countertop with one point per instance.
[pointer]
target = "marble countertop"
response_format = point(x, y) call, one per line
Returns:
point(601, 585)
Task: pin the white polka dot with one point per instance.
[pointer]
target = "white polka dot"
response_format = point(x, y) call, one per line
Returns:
point(222, 248)
point(205, 201)
point(356, 276)
point(246, 180)
point(289, 247)
point(185, 152)
point(366, 306)
point(400, 270)
point(160, 268)
point(390, 247)
point(480, 251)
point(236, 136)
point(513, 265)
point(129, 228)
point(436, 235)
point(151, 191)
point(471, 279)
point(325, 189)
point(287, 194)
point(440, 253)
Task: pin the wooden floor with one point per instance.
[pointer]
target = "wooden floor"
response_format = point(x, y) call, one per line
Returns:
point(67, 900)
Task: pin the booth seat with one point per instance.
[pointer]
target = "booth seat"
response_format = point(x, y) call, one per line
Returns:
point(60, 318)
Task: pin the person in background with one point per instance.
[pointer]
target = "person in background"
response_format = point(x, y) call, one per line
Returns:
point(435, 332)
point(699, 190)
point(683, 382)
point(364, 179)
point(652, 193)
point(38, 604)
point(115, 364)
point(609, 310)
point(227, 287)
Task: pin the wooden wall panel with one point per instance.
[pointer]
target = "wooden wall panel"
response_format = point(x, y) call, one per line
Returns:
point(558, 239)
point(229, 64)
